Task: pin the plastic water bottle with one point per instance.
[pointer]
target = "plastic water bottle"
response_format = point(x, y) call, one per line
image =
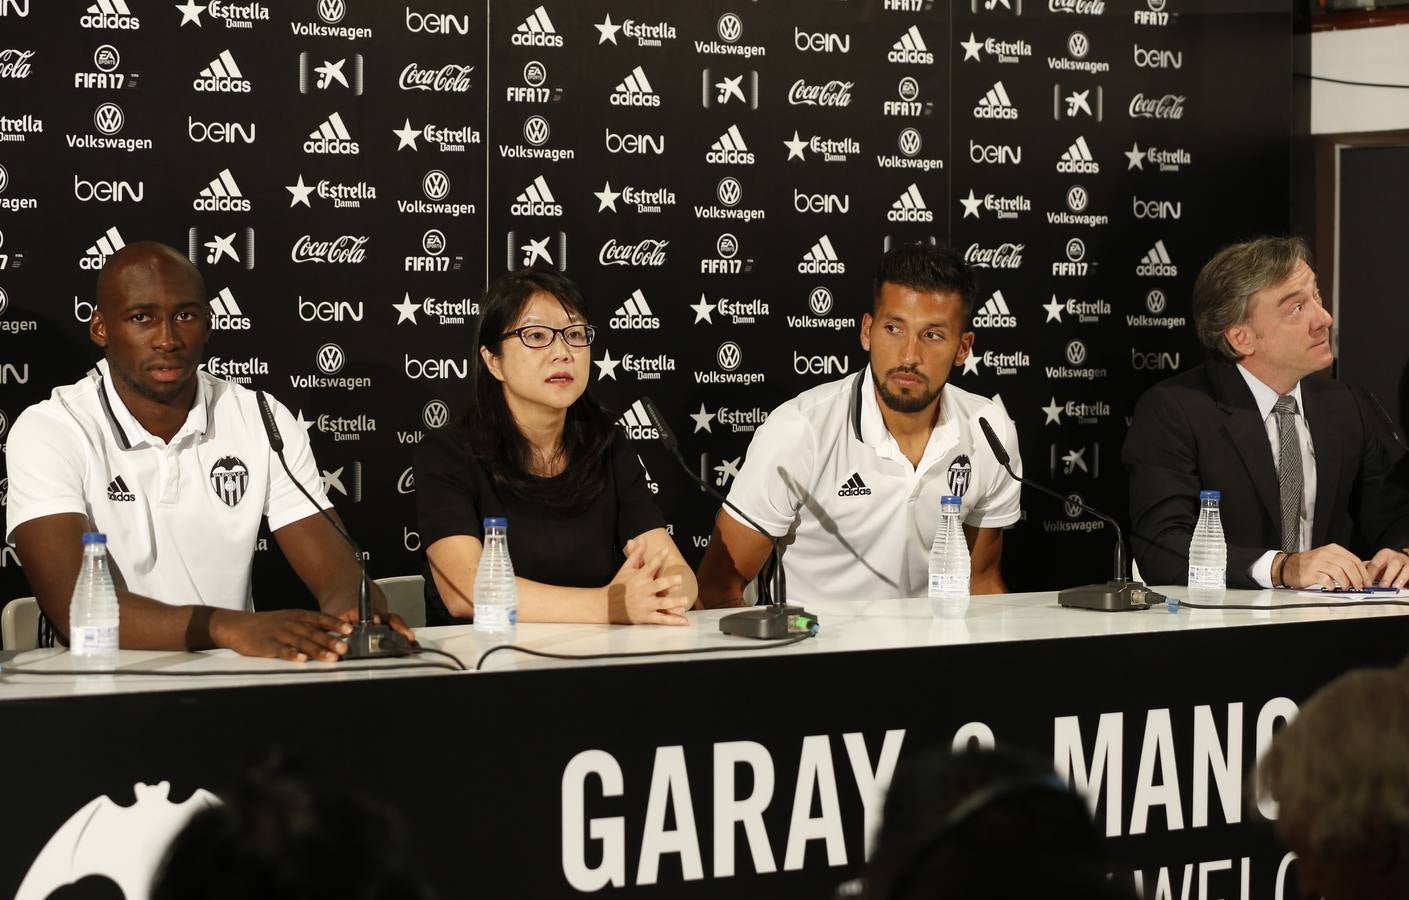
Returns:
point(496, 594)
point(93, 612)
point(1208, 551)
point(949, 563)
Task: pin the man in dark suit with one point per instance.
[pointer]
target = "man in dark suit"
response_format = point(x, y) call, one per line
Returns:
point(1301, 460)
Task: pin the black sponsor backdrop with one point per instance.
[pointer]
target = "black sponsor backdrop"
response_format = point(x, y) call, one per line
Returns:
point(735, 230)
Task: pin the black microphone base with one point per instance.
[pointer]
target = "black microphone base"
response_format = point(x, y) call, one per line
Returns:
point(1113, 596)
point(369, 641)
point(768, 623)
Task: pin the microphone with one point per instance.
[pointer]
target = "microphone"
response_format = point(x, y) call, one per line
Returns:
point(368, 639)
point(1117, 595)
point(771, 621)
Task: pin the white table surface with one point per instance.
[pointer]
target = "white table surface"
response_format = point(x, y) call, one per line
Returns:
point(846, 626)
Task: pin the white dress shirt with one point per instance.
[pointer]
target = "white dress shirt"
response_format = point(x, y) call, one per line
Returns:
point(1265, 397)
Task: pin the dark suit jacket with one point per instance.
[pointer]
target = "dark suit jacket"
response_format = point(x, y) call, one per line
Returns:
point(1201, 430)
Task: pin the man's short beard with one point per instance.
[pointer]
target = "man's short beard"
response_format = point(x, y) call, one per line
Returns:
point(901, 403)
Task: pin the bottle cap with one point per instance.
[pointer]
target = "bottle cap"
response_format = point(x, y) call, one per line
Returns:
point(1210, 495)
point(94, 537)
point(496, 522)
point(951, 501)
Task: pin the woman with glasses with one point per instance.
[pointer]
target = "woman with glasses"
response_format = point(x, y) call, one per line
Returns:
point(587, 541)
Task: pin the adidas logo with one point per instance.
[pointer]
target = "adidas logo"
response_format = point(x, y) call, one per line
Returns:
point(118, 492)
point(821, 259)
point(331, 137)
point(637, 424)
point(110, 14)
point(537, 31)
point(225, 313)
point(910, 207)
point(911, 49)
point(223, 75)
point(995, 314)
point(536, 200)
point(1157, 263)
point(854, 487)
point(635, 90)
point(221, 195)
point(730, 149)
point(105, 246)
point(1078, 159)
point(995, 104)
point(634, 313)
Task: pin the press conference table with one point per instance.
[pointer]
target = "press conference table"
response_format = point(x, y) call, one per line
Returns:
point(542, 777)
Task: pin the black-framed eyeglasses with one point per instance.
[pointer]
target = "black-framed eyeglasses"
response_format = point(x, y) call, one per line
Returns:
point(536, 337)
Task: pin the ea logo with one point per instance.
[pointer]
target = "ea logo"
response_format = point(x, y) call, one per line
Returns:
point(106, 58)
point(436, 185)
point(726, 246)
point(4, 179)
point(4, 423)
point(729, 356)
point(1076, 249)
point(108, 118)
point(330, 359)
point(1155, 301)
point(730, 191)
point(435, 414)
point(1077, 198)
point(536, 130)
point(1076, 352)
point(331, 11)
point(4, 305)
point(909, 88)
point(433, 242)
point(910, 142)
point(820, 301)
point(1072, 506)
point(1156, 5)
point(731, 27)
point(1077, 45)
point(534, 74)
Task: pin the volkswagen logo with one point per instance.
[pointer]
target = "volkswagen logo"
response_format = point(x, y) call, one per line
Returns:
point(909, 88)
point(1077, 198)
point(4, 423)
point(4, 305)
point(534, 74)
point(910, 142)
point(730, 191)
point(1073, 506)
point(1076, 249)
point(436, 185)
point(108, 118)
point(726, 246)
point(729, 356)
point(2, 292)
point(433, 242)
point(4, 179)
point(1077, 45)
point(536, 131)
point(331, 11)
point(731, 27)
point(106, 58)
point(330, 359)
point(1155, 301)
point(1076, 352)
point(820, 301)
point(435, 414)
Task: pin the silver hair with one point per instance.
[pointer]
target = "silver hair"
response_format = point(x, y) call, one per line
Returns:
point(1227, 282)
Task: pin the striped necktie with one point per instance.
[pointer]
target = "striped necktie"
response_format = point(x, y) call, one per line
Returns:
point(1289, 482)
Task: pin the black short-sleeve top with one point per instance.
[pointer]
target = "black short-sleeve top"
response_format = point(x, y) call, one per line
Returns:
point(575, 548)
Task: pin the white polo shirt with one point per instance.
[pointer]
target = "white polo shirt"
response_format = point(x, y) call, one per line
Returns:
point(182, 517)
point(857, 518)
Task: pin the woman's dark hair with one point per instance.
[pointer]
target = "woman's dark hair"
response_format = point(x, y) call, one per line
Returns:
point(495, 440)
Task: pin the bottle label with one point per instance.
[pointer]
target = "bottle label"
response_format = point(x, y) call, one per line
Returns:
point(948, 584)
point(1206, 576)
point(90, 640)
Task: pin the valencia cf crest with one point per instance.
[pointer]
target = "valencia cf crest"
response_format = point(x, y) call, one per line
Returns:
point(960, 471)
point(229, 478)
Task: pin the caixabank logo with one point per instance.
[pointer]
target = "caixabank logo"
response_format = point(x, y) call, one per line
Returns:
point(719, 89)
point(524, 250)
point(221, 247)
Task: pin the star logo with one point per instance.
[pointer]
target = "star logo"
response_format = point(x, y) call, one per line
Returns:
point(704, 311)
point(536, 250)
point(606, 366)
point(406, 136)
point(191, 12)
point(406, 310)
point(1136, 157)
point(972, 48)
point(1053, 409)
point(607, 31)
point(606, 198)
point(971, 364)
point(1054, 310)
point(220, 248)
point(971, 204)
point(729, 88)
point(702, 420)
point(303, 423)
point(795, 148)
point(300, 193)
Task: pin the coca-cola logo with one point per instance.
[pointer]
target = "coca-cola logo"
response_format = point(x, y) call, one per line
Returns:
point(1170, 106)
point(1005, 256)
point(449, 78)
point(345, 249)
point(15, 63)
point(648, 252)
point(834, 93)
